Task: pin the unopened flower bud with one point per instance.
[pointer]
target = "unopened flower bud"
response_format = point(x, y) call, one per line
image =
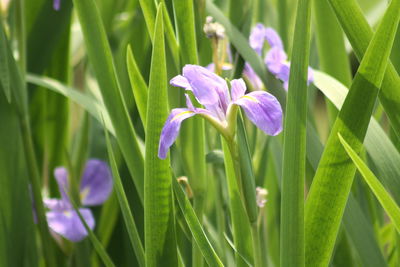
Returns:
point(261, 196)
point(213, 29)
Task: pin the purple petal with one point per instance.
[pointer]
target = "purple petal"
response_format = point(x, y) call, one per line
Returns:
point(61, 175)
point(96, 184)
point(310, 76)
point(273, 38)
point(238, 89)
point(264, 110)
point(252, 77)
point(68, 224)
point(225, 66)
point(189, 103)
point(274, 59)
point(56, 4)
point(180, 81)
point(171, 128)
point(208, 88)
point(257, 38)
point(283, 75)
point(56, 204)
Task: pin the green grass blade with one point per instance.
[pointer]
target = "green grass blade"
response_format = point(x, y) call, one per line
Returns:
point(283, 21)
point(160, 242)
point(149, 12)
point(191, 141)
point(387, 202)
point(90, 104)
point(241, 228)
point(101, 251)
point(358, 227)
point(195, 227)
point(16, 223)
point(99, 53)
point(361, 233)
point(360, 34)
point(294, 148)
point(328, 194)
point(247, 185)
point(20, 103)
point(124, 205)
point(139, 86)
point(376, 139)
point(184, 16)
point(332, 53)
point(4, 66)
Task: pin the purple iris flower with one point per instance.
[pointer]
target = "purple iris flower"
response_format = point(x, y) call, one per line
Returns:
point(56, 4)
point(95, 188)
point(212, 91)
point(275, 59)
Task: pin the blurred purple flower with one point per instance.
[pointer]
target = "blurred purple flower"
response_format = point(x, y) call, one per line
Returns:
point(275, 58)
point(56, 4)
point(210, 90)
point(95, 188)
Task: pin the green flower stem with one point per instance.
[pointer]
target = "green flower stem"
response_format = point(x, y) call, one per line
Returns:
point(256, 244)
point(233, 149)
point(34, 177)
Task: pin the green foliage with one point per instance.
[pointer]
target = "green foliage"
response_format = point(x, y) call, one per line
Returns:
point(160, 240)
point(96, 85)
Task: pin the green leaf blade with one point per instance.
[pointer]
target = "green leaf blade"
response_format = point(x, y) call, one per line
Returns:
point(100, 56)
point(160, 240)
point(328, 194)
point(377, 188)
point(294, 154)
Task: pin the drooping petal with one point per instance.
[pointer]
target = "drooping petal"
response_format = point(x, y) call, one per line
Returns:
point(252, 77)
point(273, 38)
point(207, 87)
point(96, 184)
point(68, 224)
point(257, 38)
point(238, 89)
point(180, 81)
point(264, 110)
point(61, 175)
point(171, 128)
point(284, 74)
point(274, 59)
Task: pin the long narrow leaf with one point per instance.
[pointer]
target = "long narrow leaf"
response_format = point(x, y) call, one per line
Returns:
point(334, 176)
point(99, 53)
point(139, 86)
point(360, 34)
point(160, 242)
point(124, 205)
point(294, 148)
point(387, 202)
point(195, 226)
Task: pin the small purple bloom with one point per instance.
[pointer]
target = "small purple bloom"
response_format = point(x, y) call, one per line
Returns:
point(56, 4)
point(95, 188)
point(212, 92)
point(257, 37)
point(275, 58)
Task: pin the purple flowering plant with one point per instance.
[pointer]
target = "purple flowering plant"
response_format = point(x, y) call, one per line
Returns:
point(275, 58)
point(220, 106)
point(95, 188)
